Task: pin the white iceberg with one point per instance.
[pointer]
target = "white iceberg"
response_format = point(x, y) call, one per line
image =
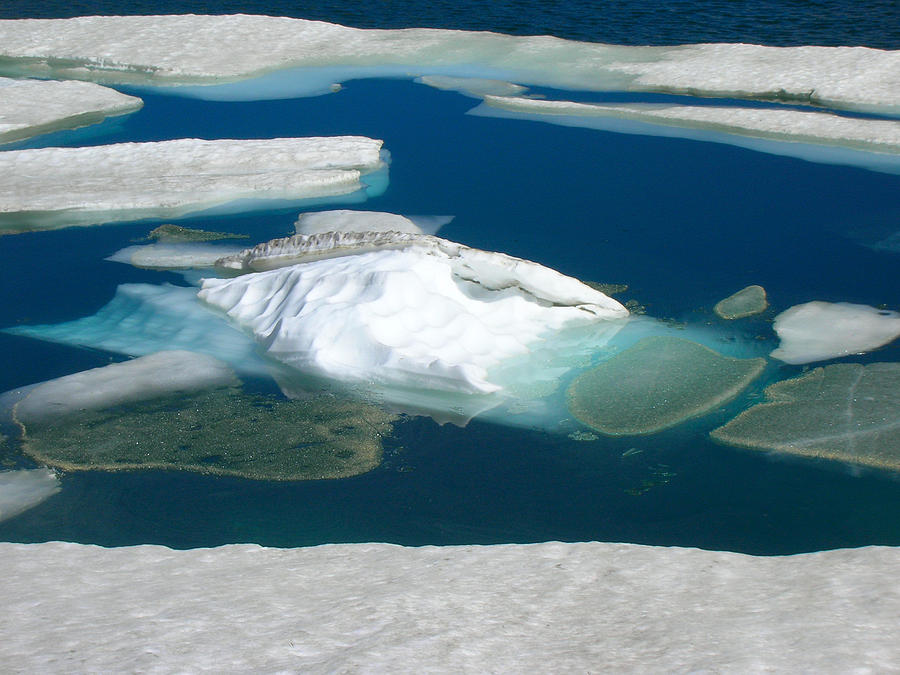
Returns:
point(375, 608)
point(343, 220)
point(128, 181)
point(815, 331)
point(140, 379)
point(32, 107)
point(23, 489)
point(810, 135)
point(405, 310)
point(173, 256)
point(295, 56)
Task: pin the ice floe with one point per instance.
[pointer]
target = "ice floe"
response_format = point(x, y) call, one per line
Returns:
point(140, 379)
point(20, 490)
point(173, 256)
point(812, 135)
point(746, 302)
point(400, 309)
point(343, 220)
point(815, 331)
point(212, 49)
point(32, 107)
point(846, 412)
point(578, 607)
point(128, 181)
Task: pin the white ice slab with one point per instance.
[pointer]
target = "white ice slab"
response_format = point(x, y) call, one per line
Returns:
point(212, 49)
point(140, 379)
point(128, 181)
point(815, 331)
point(344, 220)
point(32, 107)
point(23, 489)
point(173, 256)
point(418, 312)
point(377, 608)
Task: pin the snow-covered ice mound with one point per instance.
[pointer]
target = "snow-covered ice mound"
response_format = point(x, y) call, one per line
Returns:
point(213, 49)
point(128, 181)
point(400, 309)
point(550, 607)
point(343, 220)
point(32, 107)
point(23, 489)
point(815, 331)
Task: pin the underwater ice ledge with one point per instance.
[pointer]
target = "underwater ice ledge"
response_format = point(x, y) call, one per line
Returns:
point(33, 107)
point(217, 50)
point(820, 137)
point(166, 179)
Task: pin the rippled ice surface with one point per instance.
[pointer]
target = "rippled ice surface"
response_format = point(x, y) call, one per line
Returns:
point(684, 223)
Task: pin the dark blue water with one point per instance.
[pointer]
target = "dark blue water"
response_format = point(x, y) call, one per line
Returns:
point(873, 23)
point(683, 222)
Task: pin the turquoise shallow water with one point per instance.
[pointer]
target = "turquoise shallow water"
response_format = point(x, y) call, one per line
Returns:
point(683, 222)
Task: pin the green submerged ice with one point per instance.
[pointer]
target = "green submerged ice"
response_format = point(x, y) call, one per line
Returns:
point(174, 234)
point(845, 412)
point(746, 302)
point(222, 431)
point(656, 384)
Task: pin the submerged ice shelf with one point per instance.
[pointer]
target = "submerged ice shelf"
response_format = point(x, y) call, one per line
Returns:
point(128, 181)
point(160, 50)
point(32, 107)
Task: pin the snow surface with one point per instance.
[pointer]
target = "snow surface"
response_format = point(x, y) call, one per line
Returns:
point(140, 379)
point(376, 608)
point(128, 181)
point(816, 331)
point(398, 308)
point(32, 107)
point(23, 489)
point(212, 49)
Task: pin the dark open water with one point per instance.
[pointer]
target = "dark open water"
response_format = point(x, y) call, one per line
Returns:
point(684, 223)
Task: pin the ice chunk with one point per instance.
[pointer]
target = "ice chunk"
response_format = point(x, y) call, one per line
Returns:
point(215, 431)
point(472, 86)
point(746, 302)
point(21, 490)
point(816, 331)
point(815, 136)
point(128, 181)
point(146, 318)
point(140, 379)
point(319, 222)
point(173, 256)
point(309, 56)
point(420, 312)
point(846, 412)
point(561, 607)
point(656, 384)
point(32, 107)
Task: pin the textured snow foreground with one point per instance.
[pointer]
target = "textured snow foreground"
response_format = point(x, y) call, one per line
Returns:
point(510, 608)
point(32, 107)
point(212, 49)
point(128, 181)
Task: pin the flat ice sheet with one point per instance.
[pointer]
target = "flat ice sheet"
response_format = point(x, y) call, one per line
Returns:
point(32, 107)
point(208, 49)
point(589, 607)
point(127, 181)
point(786, 125)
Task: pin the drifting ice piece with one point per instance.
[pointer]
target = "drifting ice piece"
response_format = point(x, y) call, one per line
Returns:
point(128, 181)
point(816, 331)
point(212, 49)
point(32, 107)
point(399, 309)
point(846, 412)
point(20, 490)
